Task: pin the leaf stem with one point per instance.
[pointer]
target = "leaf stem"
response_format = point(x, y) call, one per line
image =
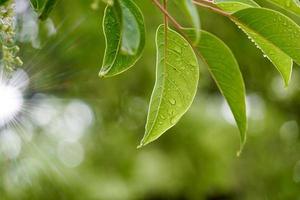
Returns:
point(167, 15)
point(176, 24)
point(211, 6)
point(203, 3)
point(165, 30)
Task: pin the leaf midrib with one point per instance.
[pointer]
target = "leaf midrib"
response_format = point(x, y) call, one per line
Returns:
point(163, 82)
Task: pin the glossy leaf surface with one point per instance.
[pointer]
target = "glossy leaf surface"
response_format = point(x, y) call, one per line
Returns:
point(177, 75)
point(124, 30)
point(275, 34)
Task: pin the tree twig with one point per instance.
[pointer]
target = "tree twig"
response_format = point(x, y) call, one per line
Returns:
point(210, 5)
point(166, 13)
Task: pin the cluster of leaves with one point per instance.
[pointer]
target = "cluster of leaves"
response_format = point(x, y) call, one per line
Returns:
point(42, 7)
point(177, 67)
point(9, 49)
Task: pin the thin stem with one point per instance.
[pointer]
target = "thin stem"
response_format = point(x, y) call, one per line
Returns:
point(166, 31)
point(210, 5)
point(205, 1)
point(165, 16)
point(166, 13)
point(176, 24)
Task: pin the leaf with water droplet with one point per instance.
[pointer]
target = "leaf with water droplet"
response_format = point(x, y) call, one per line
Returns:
point(227, 75)
point(292, 6)
point(275, 34)
point(172, 101)
point(232, 6)
point(175, 88)
point(124, 31)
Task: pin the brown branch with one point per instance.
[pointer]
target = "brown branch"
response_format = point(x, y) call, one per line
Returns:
point(211, 6)
point(166, 13)
point(165, 16)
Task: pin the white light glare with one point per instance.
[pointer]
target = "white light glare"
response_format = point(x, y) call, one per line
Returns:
point(11, 101)
point(11, 95)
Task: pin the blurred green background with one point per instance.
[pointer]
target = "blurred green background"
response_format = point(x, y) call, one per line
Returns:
point(77, 136)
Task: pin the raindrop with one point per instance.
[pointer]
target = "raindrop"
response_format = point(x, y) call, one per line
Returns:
point(172, 101)
point(173, 120)
point(163, 117)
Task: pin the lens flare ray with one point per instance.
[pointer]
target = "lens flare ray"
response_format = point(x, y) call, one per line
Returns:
point(12, 88)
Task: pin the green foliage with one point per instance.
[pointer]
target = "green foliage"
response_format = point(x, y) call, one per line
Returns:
point(226, 73)
point(9, 49)
point(192, 160)
point(48, 7)
point(3, 2)
point(272, 32)
point(177, 75)
point(276, 35)
point(124, 31)
point(232, 6)
point(289, 5)
point(43, 7)
point(37, 5)
point(191, 11)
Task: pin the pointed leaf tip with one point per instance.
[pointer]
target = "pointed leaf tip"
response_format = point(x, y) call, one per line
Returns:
point(226, 73)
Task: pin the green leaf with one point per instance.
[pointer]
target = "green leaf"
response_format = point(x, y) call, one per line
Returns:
point(225, 71)
point(275, 34)
point(191, 11)
point(232, 6)
point(177, 75)
point(37, 5)
point(109, 2)
point(289, 5)
point(124, 31)
point(3, 2)
point(48, 7)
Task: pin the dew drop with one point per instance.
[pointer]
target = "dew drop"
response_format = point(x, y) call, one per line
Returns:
point(172, 101)
point(173, 120)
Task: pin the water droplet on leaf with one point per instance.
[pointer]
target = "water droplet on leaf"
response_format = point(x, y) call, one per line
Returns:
point(172, 101)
